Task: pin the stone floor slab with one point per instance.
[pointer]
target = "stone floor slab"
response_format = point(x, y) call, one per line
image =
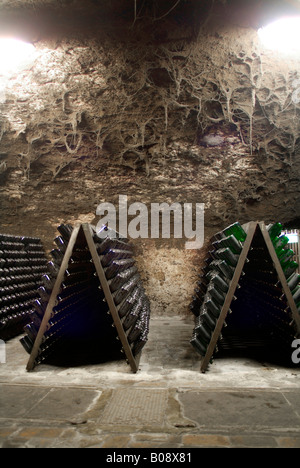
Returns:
point(16, 401)
point(247, 409)
point(64, 403)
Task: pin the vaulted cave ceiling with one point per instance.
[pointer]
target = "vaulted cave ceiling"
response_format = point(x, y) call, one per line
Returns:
point(173, 100)
point(37, 19)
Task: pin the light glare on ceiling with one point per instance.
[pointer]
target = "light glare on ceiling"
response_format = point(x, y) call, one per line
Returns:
point(282, 36)
point(14, 55)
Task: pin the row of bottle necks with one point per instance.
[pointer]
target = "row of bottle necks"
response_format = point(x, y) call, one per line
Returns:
point(58, 330)
point(127, 291)
point(22, 264)
point(135, 323)
point(286, 257)
point(217, 274)
point(214, 284)
point(216, 277)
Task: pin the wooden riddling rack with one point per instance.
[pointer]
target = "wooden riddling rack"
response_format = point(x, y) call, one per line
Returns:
point(22, 264)
point(96, 310)
point(257, 309)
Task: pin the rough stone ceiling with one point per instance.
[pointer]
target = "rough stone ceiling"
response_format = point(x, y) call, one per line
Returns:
point(39, 19)
point(204, 113)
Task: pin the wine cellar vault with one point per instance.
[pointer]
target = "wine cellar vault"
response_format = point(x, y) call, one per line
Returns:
point(129, 332)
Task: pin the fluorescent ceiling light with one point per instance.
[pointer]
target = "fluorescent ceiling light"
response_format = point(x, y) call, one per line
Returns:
point(15, 55)
point(282, 36)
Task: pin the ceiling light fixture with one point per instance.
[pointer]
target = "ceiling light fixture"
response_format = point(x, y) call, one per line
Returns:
point(282, 36)
point(15, 55)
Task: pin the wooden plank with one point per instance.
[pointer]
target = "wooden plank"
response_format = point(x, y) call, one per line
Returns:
point(250, 228)
point(281, 276)
point(52, 300)
point(133, 361)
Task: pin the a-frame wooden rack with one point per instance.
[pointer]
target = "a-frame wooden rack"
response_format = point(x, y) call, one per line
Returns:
point(105, 311)
point(257, 238)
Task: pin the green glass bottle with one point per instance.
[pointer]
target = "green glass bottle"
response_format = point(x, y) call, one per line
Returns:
point(231, 242)
point(203, 333)
point(217, 296)
point(217, 281)
point(275, 230)
point(296, 295)
point(237, 231)
point(286, 257)
point(293, 281)
point(195, 306)
point(228, 256)
point(201, 289)
point(217, 237)
point(198, 346)
point(290, 268)
point(208, 318)
point(214, 308)
point(280, 243)
point(226, 270)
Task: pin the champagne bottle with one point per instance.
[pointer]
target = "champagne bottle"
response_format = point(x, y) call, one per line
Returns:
point(285, 255)
point(136, 330)
point(280, 243)
point(227, 255)
point(236, 230)
point(226, 270)
point(195, 305)
point(274, 230)
point(201, 289)
point(35, 319)
point(121, 278)
point(61, 244)
point(293, 281)
point(31, 331)
point(133, 315)
point(40, 307)
point(217, 296)
point(114, 254)
point(65, 231)
point(218, 282)
point(231, 242)
point(57, 255)
point(117, 266)
point(208, 318)
point(140, 344)
point(123, 292)
point(296, 295)
point(214, 308)
point(52, 269)
point(198, 346)
point(27, 343)
point(218, 236)
point(128, 303)
point(44, 294)
point(287, 260)
point(202, 331)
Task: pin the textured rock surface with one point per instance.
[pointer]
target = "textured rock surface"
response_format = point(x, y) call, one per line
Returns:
point(202, 116)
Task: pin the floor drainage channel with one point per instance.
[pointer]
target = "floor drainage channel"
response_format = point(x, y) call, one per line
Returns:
point(145, 407)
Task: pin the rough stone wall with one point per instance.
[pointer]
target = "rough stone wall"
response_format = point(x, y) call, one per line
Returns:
point(210, 120)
